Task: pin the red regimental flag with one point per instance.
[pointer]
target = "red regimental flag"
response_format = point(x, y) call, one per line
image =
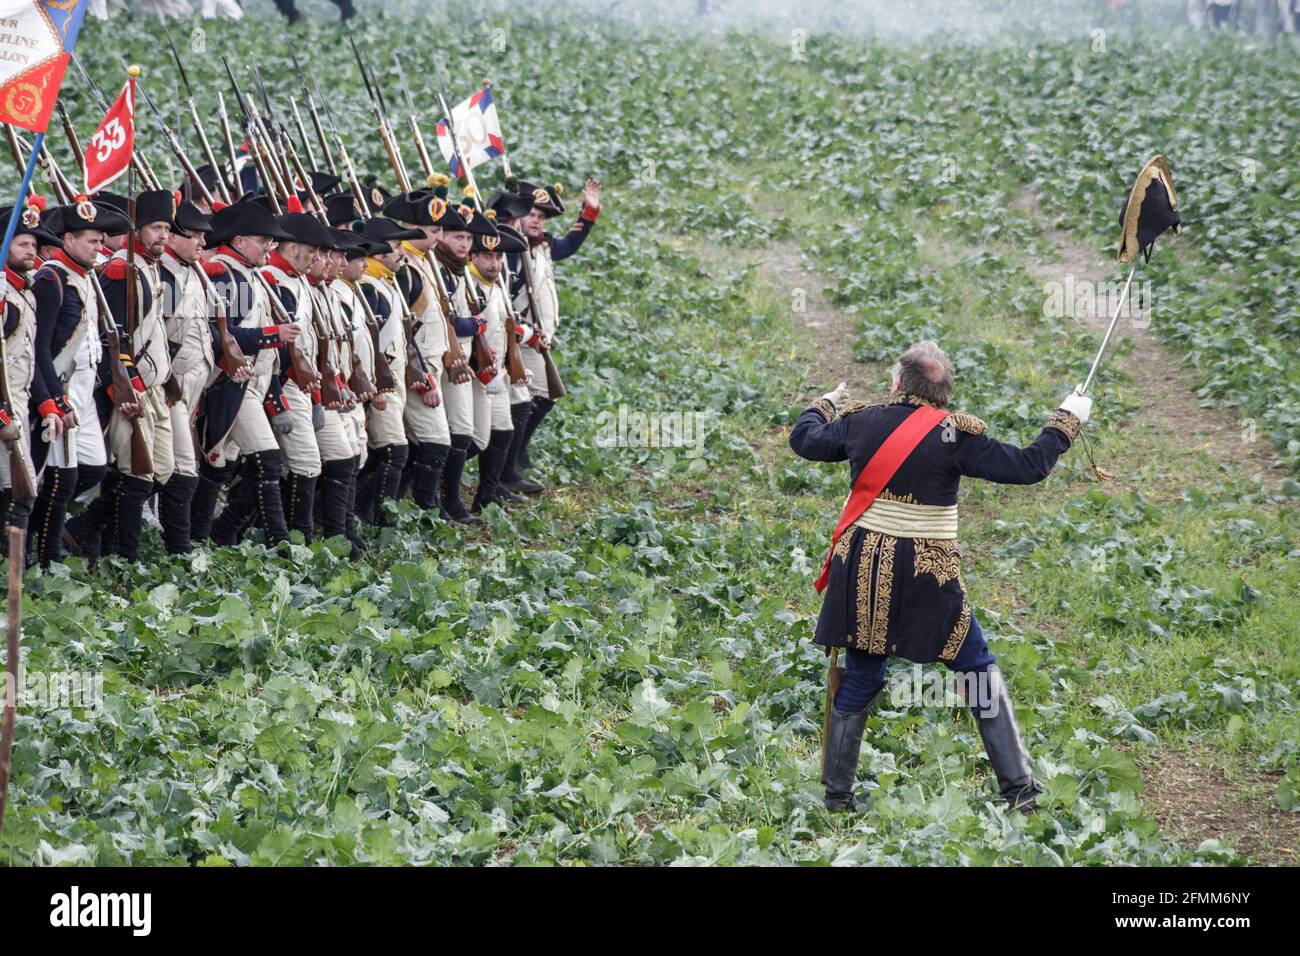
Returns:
point(108, 153)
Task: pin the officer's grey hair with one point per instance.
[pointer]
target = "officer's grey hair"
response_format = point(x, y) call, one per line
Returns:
point(926, 372)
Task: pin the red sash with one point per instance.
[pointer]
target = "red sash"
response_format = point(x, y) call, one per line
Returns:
point(879, 470)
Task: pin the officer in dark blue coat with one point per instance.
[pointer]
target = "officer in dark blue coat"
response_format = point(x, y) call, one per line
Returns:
point(895, 585)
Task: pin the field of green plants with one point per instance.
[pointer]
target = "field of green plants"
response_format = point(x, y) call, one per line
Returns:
point(623, 673)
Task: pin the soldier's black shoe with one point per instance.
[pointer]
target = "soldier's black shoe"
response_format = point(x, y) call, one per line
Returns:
point(83, 534)
point(840, 754)
point(336, 499)
point(541, 408)
point(1005, 746)
point(524, 486)
point(427, 462)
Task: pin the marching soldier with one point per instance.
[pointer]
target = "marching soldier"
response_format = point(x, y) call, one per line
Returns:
point(893, 582)
point(335, 439)
point(450, 422)
point(496, 426)
point(240, 417)
point(509, 208)
point(466, 404)
point(190, 341)
point(67, 353)
point(300, 375)
point(544, 252)
point(19, 344)
point(388, 426)
point(119, 507)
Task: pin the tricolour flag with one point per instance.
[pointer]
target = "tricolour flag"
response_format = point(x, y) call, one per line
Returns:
point(478, 132)
point(108, 153)
point(35, 39)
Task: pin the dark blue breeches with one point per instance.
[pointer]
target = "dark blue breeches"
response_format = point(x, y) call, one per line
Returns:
point(864, 674)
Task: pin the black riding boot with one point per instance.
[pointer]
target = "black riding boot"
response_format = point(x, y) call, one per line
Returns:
point(512, 475)
point(1005, 746)
point(84, 534)
point(255, 494)
point(453, 509)
point(132, 493)
point(489, 471)
point(541, 408)
point(842, 748)
point(427, 463)
point(299, 497)
point(335, 496)
point(174, 503)
point(45, 531)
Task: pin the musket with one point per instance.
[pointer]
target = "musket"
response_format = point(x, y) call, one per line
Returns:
point(413, 119)
point(515, 370)
point(229, 140)
point(385, 130)
point(453, 359)
point(232, 355)
point(315, 117)
point(266, 168)
point(208, 155)
point(275, 131)
point(141, 460)
point(555, 389)
point(302, 134)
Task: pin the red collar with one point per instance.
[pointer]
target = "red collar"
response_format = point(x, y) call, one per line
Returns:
point(281, 263)
point(16, 280)
point(142, 251)
point(534, 243)
point(67, 260)
point(234, 254)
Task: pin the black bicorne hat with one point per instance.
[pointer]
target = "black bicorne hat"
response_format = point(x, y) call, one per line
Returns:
point(507, 241)
point(475, 222)
point(340, 208)
point(1150, 209)
point(245, 218)
point(545, 198)
point(88, 215)
point(307, 229)
point(190, 219)
point(385, 230)
point(29, 224)
point(509, 206)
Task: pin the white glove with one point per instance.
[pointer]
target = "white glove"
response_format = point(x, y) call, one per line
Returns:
point(839, 395)
point(1078, 404)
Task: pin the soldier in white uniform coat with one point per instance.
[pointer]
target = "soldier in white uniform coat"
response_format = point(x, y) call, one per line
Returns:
point(19, 367)
point(189, 340)
point(437, 325)
point(112, 521)
point(239, 418)
point(544, 251)
point(485, 268)
point(67, 354)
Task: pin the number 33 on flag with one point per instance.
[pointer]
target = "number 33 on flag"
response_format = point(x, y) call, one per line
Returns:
point(108, 154)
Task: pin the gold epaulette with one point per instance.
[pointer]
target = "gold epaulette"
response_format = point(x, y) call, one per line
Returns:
point(850, 407)
point(968, 423)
